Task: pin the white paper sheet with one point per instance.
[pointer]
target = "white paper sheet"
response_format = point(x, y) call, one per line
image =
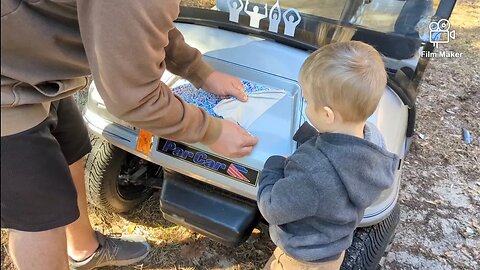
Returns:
point(245, 113)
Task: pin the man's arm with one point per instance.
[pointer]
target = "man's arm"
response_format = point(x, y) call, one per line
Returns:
point(185, 61)
point(283, 199)
point(126, 43)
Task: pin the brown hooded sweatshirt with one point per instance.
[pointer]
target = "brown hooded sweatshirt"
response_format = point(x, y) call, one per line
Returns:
point(48, 47)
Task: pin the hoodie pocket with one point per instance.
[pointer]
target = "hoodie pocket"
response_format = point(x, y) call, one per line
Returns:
point(8, 97)
point(10, 6)
point(57, 88)
point(24, 93)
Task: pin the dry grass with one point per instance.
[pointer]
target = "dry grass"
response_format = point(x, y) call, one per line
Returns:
point(175, 247)
point(198, 3)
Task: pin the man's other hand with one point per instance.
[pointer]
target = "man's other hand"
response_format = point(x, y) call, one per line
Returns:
point(234, 141)
point(224, 85)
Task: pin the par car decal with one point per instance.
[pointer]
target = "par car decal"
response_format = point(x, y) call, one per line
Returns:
point(208, 161)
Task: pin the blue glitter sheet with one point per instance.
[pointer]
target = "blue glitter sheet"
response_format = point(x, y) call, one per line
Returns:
point(208, 101)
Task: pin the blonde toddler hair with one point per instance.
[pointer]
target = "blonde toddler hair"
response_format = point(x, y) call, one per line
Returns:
point(348, 77)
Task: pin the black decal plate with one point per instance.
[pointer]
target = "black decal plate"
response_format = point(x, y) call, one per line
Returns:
point(209, 161)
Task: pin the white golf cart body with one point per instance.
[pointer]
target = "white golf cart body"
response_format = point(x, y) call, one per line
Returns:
point(274, 60)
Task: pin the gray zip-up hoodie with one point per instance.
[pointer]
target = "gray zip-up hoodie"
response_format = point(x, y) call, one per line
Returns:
point(316, 198)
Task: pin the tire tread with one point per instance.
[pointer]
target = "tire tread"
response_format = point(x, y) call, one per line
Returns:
point(101, 172)
point(371, 244)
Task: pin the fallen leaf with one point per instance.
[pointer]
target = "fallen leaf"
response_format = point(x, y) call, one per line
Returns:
point(192, 251)
point(131, 228)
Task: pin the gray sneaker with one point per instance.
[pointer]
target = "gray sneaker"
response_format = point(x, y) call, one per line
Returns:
point(114, 252)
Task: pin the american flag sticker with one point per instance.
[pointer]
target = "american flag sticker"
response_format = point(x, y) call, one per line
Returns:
point(238, 172)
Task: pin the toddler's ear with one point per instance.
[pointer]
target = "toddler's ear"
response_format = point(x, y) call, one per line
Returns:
point(329, 115)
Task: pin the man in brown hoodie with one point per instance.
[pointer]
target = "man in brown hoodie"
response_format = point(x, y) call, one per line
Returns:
point(47, 49)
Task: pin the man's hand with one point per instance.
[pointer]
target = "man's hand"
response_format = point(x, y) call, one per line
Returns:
point(224, 85)
point(234, 141)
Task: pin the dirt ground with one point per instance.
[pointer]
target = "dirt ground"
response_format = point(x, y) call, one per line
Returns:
point(439, 197)
point(440, 192)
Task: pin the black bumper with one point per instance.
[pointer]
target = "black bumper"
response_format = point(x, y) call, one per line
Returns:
point(214, 213)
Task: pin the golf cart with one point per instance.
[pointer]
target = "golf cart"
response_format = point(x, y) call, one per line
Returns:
point(264, 43)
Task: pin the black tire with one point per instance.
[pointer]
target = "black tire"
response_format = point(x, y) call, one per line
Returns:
point(371, 244)
point(102, 169)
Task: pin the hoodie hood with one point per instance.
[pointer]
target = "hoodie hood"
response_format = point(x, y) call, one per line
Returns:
point(364, 166)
